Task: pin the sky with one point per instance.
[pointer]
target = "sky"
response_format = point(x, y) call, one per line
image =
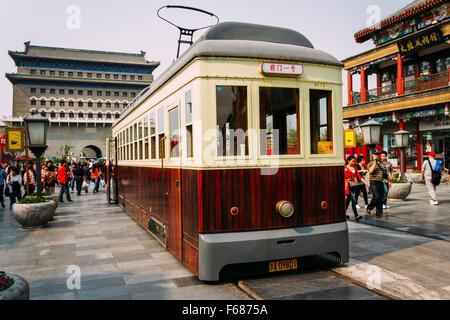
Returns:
point(133, 25)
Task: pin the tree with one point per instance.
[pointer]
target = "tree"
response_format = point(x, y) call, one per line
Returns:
point(65, 148)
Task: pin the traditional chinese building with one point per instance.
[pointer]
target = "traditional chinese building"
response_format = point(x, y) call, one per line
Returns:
point(81, 92)
point(405, 81)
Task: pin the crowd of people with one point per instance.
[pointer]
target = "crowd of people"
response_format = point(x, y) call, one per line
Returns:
point(68, 175)
point(377, 176)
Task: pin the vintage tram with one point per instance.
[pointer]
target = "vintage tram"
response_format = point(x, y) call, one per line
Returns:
point(234, 156)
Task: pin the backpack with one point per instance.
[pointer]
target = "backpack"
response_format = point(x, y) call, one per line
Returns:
point(435, 175)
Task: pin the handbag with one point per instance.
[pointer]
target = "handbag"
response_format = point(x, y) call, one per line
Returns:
point(7, 191)
point(353, 182)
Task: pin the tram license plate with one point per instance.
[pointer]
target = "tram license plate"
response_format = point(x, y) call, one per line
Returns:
point(284, 265)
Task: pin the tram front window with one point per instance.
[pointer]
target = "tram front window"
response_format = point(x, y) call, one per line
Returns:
point(279, 110)
point(231, 105)
point(321, 122)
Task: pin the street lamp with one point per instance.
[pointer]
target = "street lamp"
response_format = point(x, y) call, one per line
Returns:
point(402, 141)
point(36, 127)
point(371, 131)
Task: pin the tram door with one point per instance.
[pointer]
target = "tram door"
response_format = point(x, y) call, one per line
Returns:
point(173, 186)
point(112, 192)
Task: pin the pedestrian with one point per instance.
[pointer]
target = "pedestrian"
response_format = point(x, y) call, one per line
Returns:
point(432, 167)
point(78, 173)
point(3, 177)
point(96, 177)
point(63, 181)
point(71, 176)
point(387, 177)
point(32, 181)
point(50, 178)
point(376, 168)
point(360, 166)
point(86, 177)
point(353, 180)
point(14, 183)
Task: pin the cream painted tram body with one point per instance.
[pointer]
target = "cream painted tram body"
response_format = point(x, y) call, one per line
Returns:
point(234, 156)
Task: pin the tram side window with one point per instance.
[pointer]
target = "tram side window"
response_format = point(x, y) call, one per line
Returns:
point(321, 122)
point(232, 120)
point(146, 131)
point(161, 135)
point(188, 106)
point(174, 133)
point(153, 135)
point(279, 117)
point(140, 142)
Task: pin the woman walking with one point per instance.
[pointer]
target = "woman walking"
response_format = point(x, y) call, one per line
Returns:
point(96, 177)
point(352, 181)
point(14, 183)
point(360, 166)
point(32, 180)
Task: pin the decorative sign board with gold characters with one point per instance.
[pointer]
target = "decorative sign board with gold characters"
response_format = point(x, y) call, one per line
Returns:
point(325, 147)
point(14, 139)
point(350, 138)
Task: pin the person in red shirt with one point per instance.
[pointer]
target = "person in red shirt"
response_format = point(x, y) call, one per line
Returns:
point(63, 181)
point(352, 181)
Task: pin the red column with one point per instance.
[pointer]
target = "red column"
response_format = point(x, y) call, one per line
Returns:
point(363, 85)
point(365, 153)
point(419, 147)
point(350, 87)
point(400, 82)
point(401, 126)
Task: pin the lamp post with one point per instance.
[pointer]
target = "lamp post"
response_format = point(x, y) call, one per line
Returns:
point(402, 140)
point(371, 131)
point(37, 142)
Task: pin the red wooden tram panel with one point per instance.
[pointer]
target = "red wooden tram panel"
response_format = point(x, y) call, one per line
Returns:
point(207, 197)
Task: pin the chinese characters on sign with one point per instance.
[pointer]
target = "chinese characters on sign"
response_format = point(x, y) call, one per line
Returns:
point(14, 140)
point(422, 41)
point(350, 138)
point(282, 69)
point(325, 147)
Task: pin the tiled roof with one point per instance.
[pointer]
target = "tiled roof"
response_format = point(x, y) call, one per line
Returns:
point(81, 54)
point(414, 8)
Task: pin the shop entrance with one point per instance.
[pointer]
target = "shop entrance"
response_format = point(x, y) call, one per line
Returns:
point(439, 142)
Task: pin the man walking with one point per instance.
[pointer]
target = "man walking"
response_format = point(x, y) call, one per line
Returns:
point(3, 177)
point(427, 174)
point(78, 174)
point(376, 168)
point(388, 173)
point(63, 181)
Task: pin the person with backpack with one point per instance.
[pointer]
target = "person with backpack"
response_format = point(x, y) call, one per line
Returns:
point(432, 174)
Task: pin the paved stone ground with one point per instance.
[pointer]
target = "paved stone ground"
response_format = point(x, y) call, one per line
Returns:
point(116, 257)
point(415, 214)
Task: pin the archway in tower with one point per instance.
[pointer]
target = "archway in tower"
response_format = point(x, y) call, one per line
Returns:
point(91, 152)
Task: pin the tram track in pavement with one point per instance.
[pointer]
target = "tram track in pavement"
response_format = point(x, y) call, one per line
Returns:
point(312, 283)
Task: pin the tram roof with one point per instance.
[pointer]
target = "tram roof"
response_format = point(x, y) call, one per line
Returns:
point(244, 40)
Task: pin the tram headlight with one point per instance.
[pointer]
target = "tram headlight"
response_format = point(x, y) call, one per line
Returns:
point(285, 208)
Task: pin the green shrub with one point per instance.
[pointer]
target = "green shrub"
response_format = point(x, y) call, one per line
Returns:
point(5, 281)
point(31, 199)
point(43, 193)
point(396, 180)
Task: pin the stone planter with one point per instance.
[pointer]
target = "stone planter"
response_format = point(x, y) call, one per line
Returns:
point(415, 178)
point(34, 214)
point(54, 197)
point(399, 191)
point(20, 290)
